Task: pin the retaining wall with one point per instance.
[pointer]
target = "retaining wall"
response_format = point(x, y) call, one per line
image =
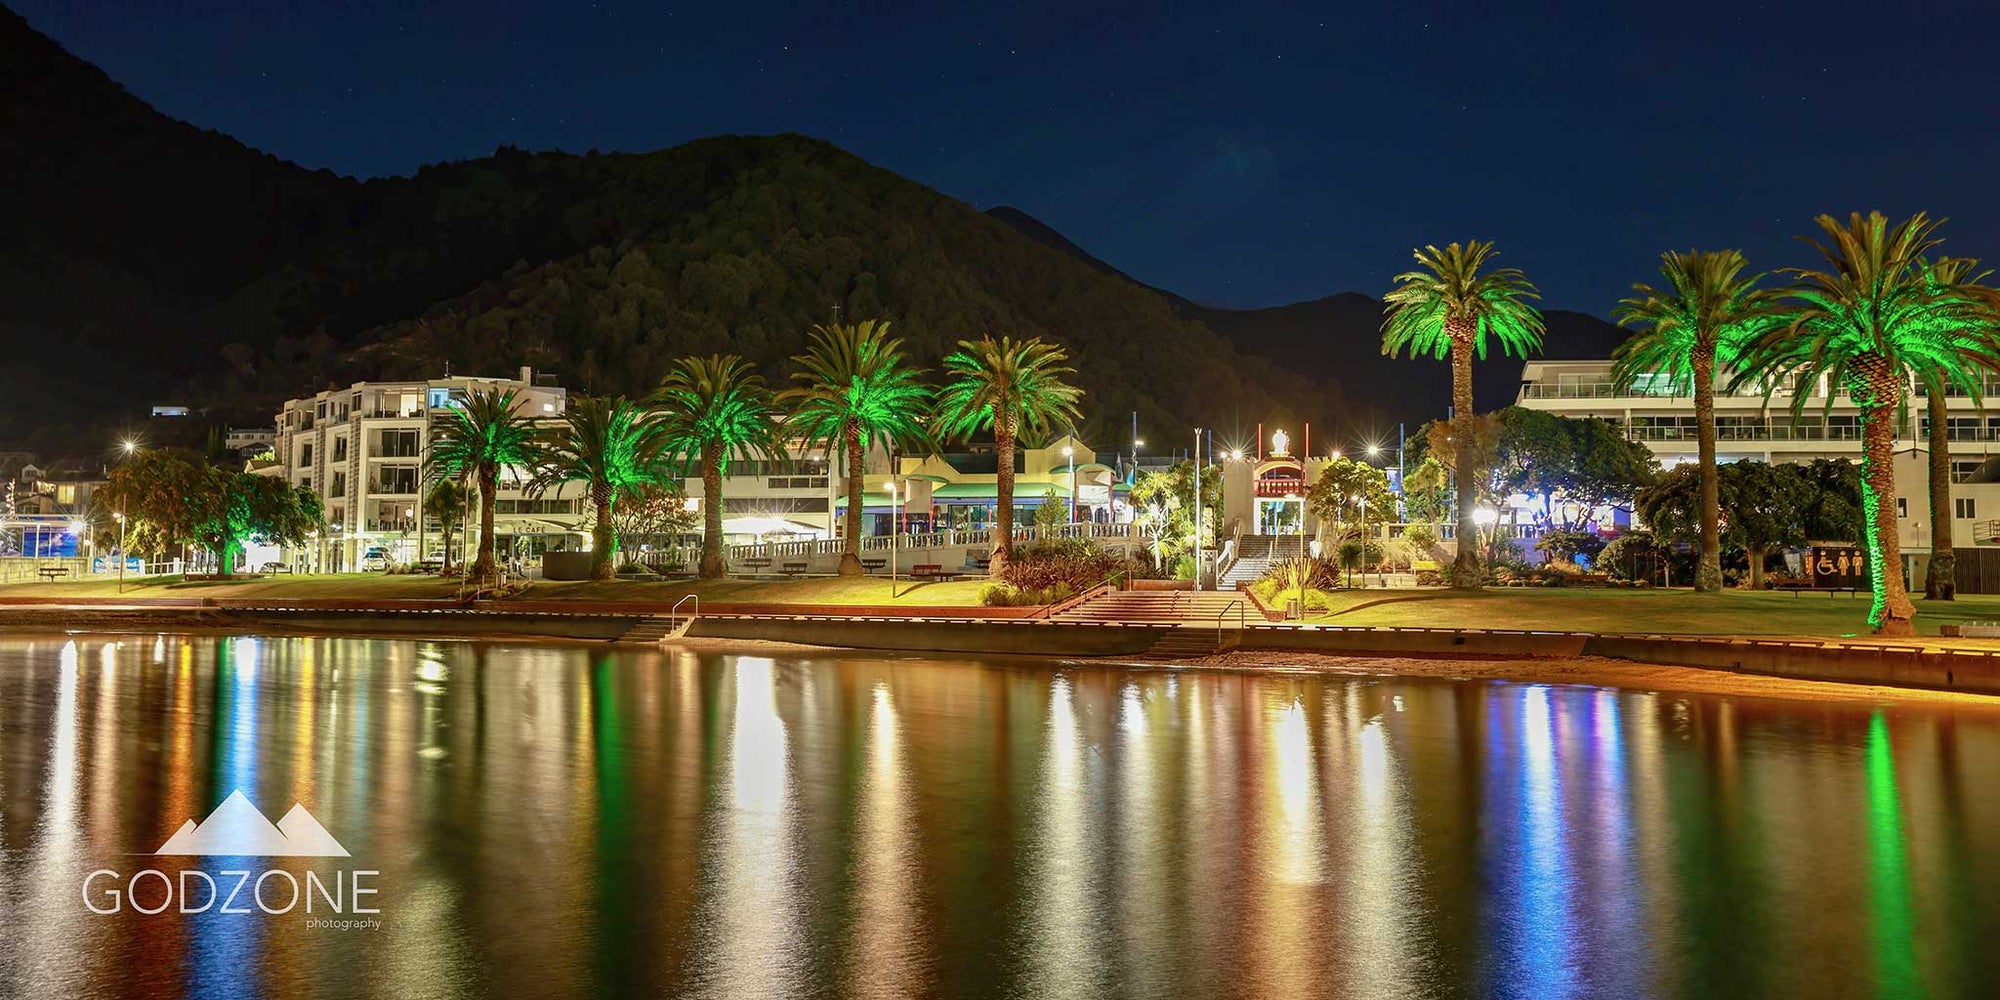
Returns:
point(937, 635)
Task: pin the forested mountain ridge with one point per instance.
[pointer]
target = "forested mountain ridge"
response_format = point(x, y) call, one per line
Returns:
point(147, 260)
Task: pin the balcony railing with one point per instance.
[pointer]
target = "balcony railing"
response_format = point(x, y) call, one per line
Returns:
point(1611, 390)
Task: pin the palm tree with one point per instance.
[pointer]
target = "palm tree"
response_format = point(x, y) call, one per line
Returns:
point(1447, 308)
point(1703, 317)
point(715, 407)
point(446, 504)
point(857, 389)
point(1868, 322)
point(616, 449)
point(476, 438)
point(1010, 386)
point(1948, 276)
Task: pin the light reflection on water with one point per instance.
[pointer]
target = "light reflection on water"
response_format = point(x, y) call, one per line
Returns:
point(573, 821)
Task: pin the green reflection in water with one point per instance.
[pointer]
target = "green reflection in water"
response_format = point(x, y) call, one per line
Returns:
point(1895, 957)
point(618, 966)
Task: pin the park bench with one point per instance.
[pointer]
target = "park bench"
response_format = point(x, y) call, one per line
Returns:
point(274, 567)
point(931, 571)
point(872, 565)
point(983, 563)
point(756, 563)
point(52, 573)
point(794, 569)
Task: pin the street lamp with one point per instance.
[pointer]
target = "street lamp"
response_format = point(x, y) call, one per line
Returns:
point(895, 540)
point(1070, 453)
point(1197, 507)
point(120, 516)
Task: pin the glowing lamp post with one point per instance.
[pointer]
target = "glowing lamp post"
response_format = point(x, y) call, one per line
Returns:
point(895, 540)
point(1070, 453)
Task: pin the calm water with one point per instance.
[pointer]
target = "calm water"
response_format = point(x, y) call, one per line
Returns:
point(562, 821)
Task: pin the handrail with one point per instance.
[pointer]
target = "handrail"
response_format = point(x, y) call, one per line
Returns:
point(1234, 602)
point(1048, 610)
point(674, 614)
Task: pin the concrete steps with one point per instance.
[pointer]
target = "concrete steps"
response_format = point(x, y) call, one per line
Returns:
point(655, 629)
point(1184, 642)
point(1161, 607)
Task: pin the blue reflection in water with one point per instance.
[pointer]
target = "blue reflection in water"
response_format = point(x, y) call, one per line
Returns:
point(1527, 874)
point(225, 945)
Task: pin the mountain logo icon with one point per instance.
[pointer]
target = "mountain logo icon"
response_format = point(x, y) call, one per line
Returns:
point(237, 829)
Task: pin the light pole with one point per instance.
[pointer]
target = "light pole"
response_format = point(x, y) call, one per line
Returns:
point(1196, 454)
point(121, 550)
point(1070, 453)
point(895, 511)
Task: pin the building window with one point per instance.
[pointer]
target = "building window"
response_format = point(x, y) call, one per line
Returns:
point(1963, 508)
point(397, 479)
point(306, 456)
point(340, 451)
point(1902, 506)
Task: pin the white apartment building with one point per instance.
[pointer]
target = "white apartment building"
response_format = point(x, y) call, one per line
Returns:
point(1748, 426)
point(362, 449)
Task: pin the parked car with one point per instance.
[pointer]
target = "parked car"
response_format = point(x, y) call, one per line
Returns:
point(375, 559)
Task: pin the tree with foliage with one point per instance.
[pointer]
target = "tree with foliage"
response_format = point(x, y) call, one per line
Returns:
point(219, 509)
point(1165, 500)
point(476, 439)
point(857, 389)
point(1051, 514)
point(1010, 387)
point(1702, 317)
point(1829, 501)
point(1765, 507)
point(1960, 277)
point(655, 512)
point(716, 408)
point(1867, 321)
point(615, 448)
point(445, 502)
point(1344, 490)
point(1449, 308)
point(1574, 466)
point(1427, 492)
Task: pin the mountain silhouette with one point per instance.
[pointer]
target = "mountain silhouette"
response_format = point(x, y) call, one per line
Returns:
point(237, 829)
point(1337, 340)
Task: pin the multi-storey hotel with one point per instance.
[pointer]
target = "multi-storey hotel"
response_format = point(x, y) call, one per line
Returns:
point(1750, 426)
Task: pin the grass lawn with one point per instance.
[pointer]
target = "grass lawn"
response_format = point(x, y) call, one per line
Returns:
point(1617, 610)
point(378, 586)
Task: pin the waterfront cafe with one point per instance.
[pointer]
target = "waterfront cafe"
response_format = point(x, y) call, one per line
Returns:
point(960, 490)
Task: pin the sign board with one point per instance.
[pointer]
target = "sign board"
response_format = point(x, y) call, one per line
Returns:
point(109, 564)
point(1093, 495)
point(1839, 566)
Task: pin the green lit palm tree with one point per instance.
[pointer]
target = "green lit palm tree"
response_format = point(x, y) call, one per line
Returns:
point(1703, 316)
point(1949, 276)
point(1868, 322)
point(1449, 308)
point(476, 439)
point(715, 408)
point(616, 449)
point(857, 389)
point(1010, 386)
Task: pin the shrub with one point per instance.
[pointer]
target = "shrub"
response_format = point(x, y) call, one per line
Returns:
point(1352, 555)
point(1076, 563)
point(1566, 546)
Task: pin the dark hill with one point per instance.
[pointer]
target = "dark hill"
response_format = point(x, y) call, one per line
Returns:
point(1337, 341)
point(146, 260)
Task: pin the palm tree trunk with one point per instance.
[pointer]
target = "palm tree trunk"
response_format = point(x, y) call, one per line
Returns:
point(1940, 578)
point(1708, 570)
point(1003, 500)
point(850, 550)
point(489, 481)
point(712, 567)
point(1466, 573)
point(1892, 613)
point(603, 544)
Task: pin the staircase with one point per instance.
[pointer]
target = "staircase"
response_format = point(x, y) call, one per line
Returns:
point(1159, 607)
point(655, 629)
point(1254, 556)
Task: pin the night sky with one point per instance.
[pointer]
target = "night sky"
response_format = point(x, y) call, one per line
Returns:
point(1240, 157)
